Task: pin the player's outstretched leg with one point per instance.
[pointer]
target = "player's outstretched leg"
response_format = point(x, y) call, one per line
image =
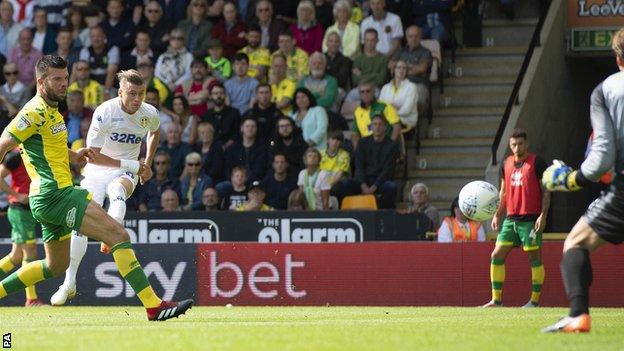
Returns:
point(67, 290)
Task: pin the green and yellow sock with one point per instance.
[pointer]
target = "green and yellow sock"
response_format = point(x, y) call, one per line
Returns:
point(130, 269)
point(27, 275)
point(6, 265)
point(31, 292)
point(497, 277)
point(537, 277)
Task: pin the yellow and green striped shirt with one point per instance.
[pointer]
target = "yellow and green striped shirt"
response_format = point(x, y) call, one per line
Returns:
point(42, 134)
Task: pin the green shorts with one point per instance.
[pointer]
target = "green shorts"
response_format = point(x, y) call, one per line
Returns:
point(60, 211)
point(22, 225)
point(516, 233)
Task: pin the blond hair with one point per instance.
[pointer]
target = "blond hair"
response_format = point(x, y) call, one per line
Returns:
point(617, 43)
point(131, 76)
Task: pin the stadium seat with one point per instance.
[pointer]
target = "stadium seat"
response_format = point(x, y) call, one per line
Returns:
point(359, 202)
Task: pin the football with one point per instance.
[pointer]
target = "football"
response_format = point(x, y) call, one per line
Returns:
point(478, 200)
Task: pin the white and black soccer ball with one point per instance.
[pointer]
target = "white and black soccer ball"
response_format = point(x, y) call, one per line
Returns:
point(478, 200)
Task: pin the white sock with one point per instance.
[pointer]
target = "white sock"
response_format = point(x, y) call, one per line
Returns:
point(78, 249)
point(117, 198)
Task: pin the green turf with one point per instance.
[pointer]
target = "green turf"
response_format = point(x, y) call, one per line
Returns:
point(305, 328)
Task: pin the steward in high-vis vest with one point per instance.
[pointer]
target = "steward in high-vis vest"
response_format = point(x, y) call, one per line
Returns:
point(458, 228)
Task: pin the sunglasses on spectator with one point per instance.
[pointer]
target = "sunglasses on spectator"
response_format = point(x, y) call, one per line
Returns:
point(193, 164)
point(10, 73)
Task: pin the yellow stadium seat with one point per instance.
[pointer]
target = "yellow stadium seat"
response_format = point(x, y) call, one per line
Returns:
point(359, 202)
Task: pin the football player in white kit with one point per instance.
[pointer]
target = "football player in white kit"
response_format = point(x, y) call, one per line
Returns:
point(118, 127)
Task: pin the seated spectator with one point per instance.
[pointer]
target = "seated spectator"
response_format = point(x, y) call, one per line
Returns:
point(64, 47)
point(224, 119)
point(170, 201)
point(176, 148)
point(279, 183)
point(420, 204)
point(288, 141)
point(196, 28)
point(85, 124)
point(255, 199)
point(348, 32)
point(103, 59)
point(337, 162)
point(270, 28)
point(156, 26)
point(282, 88)
point(25, 56)
point(152, 98)
point(259, 57)
point(458, 228)
point(210, 199)
point(370, 65)
point(296, 59)
point(323, 10)
point(338, 65)
point(434, 17)
point(387, 25)
point(241, 88)
point(76, 112)
point(248, 152)
point(92, 91)
point(44, 37)
point(418, 60)
point(375, 161)
point(310, 118)
point(149, 194)
point(90, 15)
point(146, 70)
point(369, 108)
point(174, 65)
point(141, 52)
point(120, 31)
point(186, 120)
point(11, 28)
point(211, 152)
point(402, 95)
point(219, 65)
point(308, 34)
point(323, 86)
point(264, 112)
point(196, 90)
point(193, 184)
point(13, 94)
point(297, 201)
point(234, 192)
point(314, 182)
point(231, 30)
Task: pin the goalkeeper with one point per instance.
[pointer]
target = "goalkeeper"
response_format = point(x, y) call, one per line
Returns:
point(604, 220)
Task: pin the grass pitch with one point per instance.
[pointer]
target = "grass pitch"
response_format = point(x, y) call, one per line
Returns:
point(305, 328)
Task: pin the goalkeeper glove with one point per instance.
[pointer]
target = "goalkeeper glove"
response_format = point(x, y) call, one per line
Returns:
point(560, 177)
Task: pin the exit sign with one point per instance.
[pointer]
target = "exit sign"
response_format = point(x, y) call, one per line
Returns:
point(592, 39)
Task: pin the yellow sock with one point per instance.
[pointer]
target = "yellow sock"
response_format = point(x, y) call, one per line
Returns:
point(6, 265)
point(130, 269)
point(31, 292)
point(29, 274)
point(497, 277)
point(537, 277)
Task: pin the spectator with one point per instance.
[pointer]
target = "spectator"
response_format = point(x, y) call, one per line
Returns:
point(212, 158)
point(255, 199)
point(75, 114)
point(224, 119)
point(170, 201)
point(308, 34)
point(348, 32)
point(375, 160)
point(102, 58)
point(193, 184)
point(369, 107)
point(176, 148)
point(77, 27)
point(13, 94)
point(296, 59)
point(92, 91)
point(241, 88)
point(338, 65)
point(370, 65)
point(85, 124)
point(310, 118)
point(9, 29)
point(280, 183)
point(269, 26)
point(402, 95)
point(120, 31)
point(234, 192)
point(186, 120)
point(175, 11)
point(434, 17)
point(64, 47)
point(282, 88)
point(420, 204)
point(92, 19)
point(23, 11)
point(157, 27)
point(264, 112)
point(25, 56)
point(248, 152)
point(288, 141)
point(210, 199)
point(314, 182)
point(149, 194)
point(231, 31)
point(146, 70)
point(152, 97)
point(458, 228)
point(44, 38)
point(174, 66)
point(337, 162)
point(323, 10)
point(323, 86)
point(220, 66)
point(259, 57)
point(196, 90)
point(387, 25)
point(57, 11)
point(141, 52)
point(418, 60)
point(196, 29)
point(297, 201)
